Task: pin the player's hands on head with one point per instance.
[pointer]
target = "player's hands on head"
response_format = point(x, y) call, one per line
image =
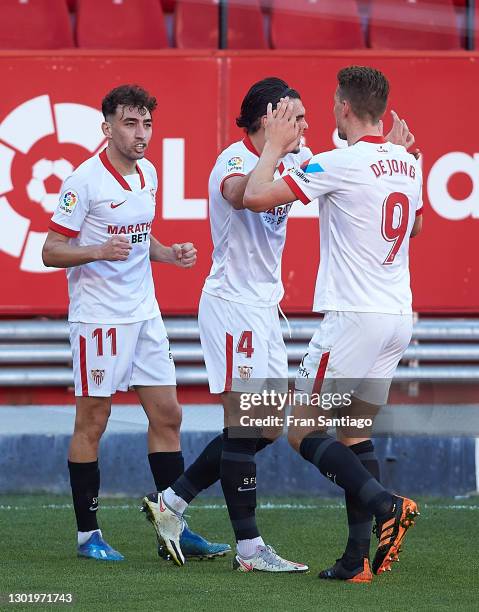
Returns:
point(184, 255)
point(117, 248)
point(399, 133)
point(281, 129)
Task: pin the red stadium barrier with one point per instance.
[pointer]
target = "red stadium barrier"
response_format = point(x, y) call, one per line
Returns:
point(49, 123)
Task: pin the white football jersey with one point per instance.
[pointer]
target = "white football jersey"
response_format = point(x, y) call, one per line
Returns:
point(369, 196)
point(247, 245)
point(96, 203)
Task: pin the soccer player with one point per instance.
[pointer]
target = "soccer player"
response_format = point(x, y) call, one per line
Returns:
point(101, 232)
point(370, 205)
point(240, 330)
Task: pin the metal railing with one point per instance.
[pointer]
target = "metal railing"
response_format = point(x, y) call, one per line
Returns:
point(37, 353)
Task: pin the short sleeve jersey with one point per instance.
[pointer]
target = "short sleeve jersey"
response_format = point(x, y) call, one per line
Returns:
point(96, 203)
point(247, 245)
point(369, 196)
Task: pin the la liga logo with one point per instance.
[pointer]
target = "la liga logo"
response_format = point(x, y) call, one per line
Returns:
point(41, 142)
point(68, 202)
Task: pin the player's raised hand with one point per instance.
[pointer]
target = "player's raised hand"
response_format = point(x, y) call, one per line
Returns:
point(117, 248)
point(281, 128)
point(400, 133)
point(184, 254)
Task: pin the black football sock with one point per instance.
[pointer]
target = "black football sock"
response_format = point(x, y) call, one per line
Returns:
point(205, 470)
point(238, 480)
point(85, 484)
point(340, 464)
point(202, 473)
point(360, 520)
point(166, 467)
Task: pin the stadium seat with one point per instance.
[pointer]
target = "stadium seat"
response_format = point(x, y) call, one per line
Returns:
point(196, 24)
point(35, 24)
point(316, 24)
point(168, 5)
point(245, 21)
point(413, 24)
point(121, 24)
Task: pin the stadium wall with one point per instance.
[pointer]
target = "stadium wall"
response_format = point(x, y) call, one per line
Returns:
point(50, 122)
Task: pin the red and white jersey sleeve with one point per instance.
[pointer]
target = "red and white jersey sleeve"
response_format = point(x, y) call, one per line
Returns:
point(369, 195)
point(247, 246)
point(72, 207)
point(96, 203)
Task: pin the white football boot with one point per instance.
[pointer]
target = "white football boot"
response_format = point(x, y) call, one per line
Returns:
point(266, 559)
point(168, 525)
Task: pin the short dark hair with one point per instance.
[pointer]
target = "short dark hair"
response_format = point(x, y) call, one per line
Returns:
point(132, 96)
point(366, 89)
point(256, 101)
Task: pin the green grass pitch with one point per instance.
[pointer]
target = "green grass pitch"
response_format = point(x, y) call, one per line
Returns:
point(439, 566)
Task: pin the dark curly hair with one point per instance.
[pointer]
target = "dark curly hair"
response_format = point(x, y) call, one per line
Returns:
point(366, 89)
point(131, 96)
point(256, 101)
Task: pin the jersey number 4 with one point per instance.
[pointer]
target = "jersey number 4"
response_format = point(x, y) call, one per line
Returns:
point(110, 335)
point(395, 222)
point(245, 344)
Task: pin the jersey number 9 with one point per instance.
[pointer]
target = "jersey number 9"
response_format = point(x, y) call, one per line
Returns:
point(395, 222)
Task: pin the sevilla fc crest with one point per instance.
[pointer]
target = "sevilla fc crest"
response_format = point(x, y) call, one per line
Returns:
point(245, 372)
point(98, 376)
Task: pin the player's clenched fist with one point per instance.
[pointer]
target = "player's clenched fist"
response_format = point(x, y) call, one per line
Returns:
point(184, 254)
point(117, 248)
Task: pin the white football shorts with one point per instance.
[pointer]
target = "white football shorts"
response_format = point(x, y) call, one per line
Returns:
point(242, 345)
point(110, 358)
point(355, 352)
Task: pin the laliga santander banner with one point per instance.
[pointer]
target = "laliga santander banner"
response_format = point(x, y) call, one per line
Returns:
point(50, 122)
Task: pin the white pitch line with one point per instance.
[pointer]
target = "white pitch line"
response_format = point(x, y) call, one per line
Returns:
point(266, 506)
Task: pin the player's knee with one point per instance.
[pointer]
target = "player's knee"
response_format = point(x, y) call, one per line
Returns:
point(90, 432)
point(166, 418)
point(91, 420)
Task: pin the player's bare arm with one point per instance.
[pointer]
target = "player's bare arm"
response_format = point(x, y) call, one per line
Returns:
point(233, 190)
point(59, 253)
point(262, 192)
point(182, 255)
point(417, 227)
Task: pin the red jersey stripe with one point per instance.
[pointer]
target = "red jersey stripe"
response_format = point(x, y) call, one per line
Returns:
point(227, 177)
point(60, 229)
point(229, 362)
point(373, 139)
point(114, 172)
point(83, 372)
point(318, 381)
point(250, 146)
point(296, 189)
